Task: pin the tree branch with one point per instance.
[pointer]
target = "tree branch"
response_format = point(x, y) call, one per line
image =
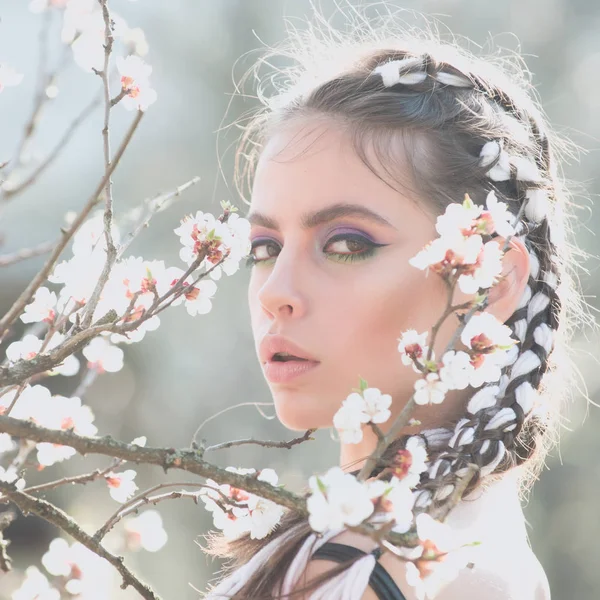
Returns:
point(25, 253)
point(167, 458)
point(288, 445)
point(52, 514)
point(82, 479)
point(111, 250)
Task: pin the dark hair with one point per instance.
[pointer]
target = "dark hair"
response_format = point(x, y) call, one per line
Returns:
point(443, 107)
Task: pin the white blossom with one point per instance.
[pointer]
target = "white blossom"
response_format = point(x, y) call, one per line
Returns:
point(429, 576)
point(204, 233)
point(10, 475)
point(33, 403)
point(452, 250)
point(6, 441)
point(487, 271)
point(30, 346)
point(86, 574)
point(66, 414)
point(35, 586)
point(413, 345)
point(357, 409)
point(103, 356)
point(145, 531)
point(121, 485)
point(135, 40)
point(456, 370)
point(197, 299)
point(42, 307)
point(501, 217)
point(430, 389)
point(457, 218)
point(349, 418)
point(337, 499)
point(25, 349)
point(417, 464)
point(246, 512)
point(135, 74)
point(489, 339)
point(395, 502)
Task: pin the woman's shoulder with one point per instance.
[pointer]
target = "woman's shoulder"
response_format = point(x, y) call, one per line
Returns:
point(510, 573)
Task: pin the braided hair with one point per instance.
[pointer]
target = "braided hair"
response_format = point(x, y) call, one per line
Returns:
point(469, 125)
point(502, 427)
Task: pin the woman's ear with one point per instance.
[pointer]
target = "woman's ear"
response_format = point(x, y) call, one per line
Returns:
point(504, 297)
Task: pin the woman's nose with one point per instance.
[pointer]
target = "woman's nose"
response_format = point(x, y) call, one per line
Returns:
point(283, 293)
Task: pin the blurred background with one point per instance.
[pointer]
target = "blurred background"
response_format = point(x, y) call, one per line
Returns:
point(192, 367)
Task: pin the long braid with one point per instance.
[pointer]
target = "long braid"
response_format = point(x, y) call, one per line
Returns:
point(500, 427)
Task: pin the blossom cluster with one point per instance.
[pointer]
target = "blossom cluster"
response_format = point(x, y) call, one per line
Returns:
point(236, 511)
point(339, 498)
point(460, 255)
point(133, 288)
point(368, 406)
point(83, 29)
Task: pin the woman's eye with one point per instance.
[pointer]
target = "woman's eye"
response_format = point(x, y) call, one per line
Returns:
point(340, 248)
point(348, 245)
point(261, 251)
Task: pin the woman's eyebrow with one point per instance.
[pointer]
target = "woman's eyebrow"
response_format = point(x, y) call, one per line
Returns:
point(324, 215)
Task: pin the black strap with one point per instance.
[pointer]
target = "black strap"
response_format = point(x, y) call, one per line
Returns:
point(381, 582)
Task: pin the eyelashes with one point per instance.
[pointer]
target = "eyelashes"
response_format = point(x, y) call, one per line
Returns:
point(352, 241)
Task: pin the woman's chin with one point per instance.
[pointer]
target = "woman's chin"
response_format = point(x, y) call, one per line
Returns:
point(300, 416)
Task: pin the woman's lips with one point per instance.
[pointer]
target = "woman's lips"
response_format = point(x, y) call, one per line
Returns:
point(283, 371)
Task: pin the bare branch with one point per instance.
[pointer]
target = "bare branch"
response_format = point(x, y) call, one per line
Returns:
point(193, 443)
point(44, 81)
point(153, 206)
point(288, 445)
point(111, 250)
point(56, 151)
point(47, 511)
point(17, 308)
point(25, 253)
point(81, 479)
point(168, 458)
point(133, 504)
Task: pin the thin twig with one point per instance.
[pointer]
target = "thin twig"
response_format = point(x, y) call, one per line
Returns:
point(56, 151)
point(288, 445)
point(25, 253)
point(44, 81)
point(111, 250)
point(52, 514)
point(209, 419)
point(80, 479)
point(133, 503)
point(154, 206)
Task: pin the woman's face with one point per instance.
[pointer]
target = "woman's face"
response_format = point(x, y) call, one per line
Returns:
point(321, 282)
